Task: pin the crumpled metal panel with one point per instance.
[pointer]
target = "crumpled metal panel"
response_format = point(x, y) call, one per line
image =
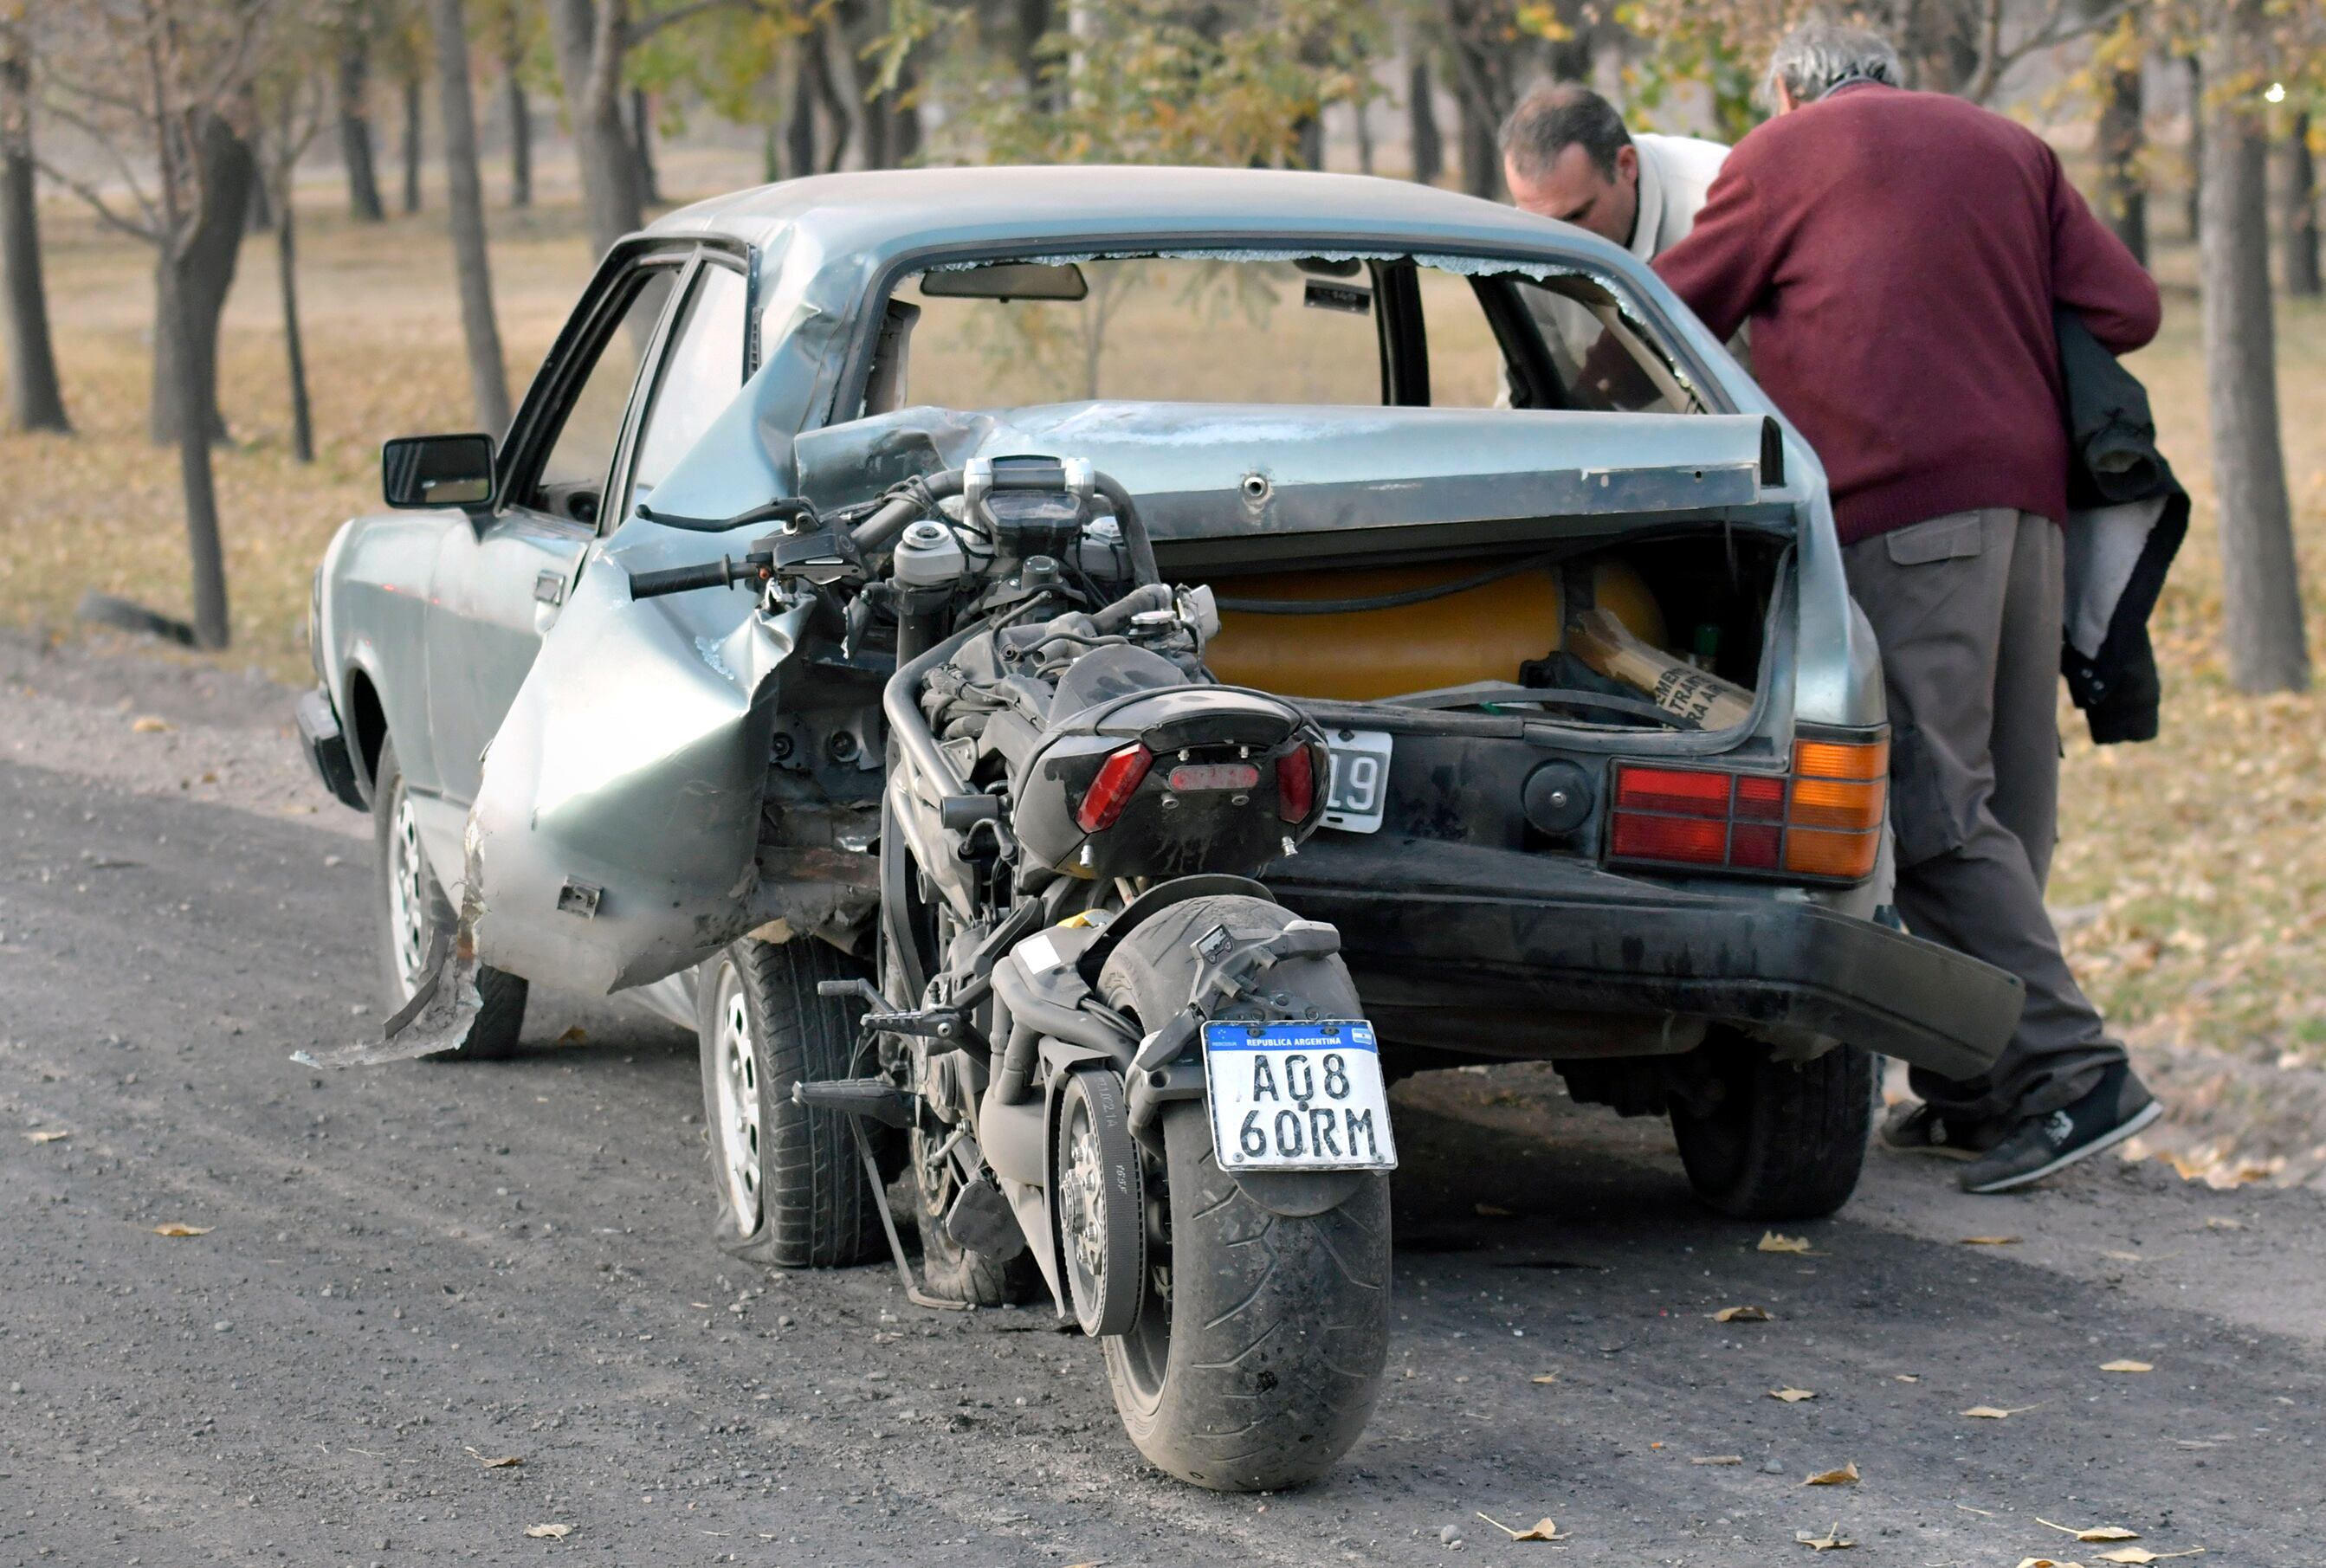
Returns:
point(613, 838)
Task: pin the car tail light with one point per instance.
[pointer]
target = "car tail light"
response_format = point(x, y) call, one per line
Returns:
point(1822, 820)
point(1295, 783)
point(1118, 778)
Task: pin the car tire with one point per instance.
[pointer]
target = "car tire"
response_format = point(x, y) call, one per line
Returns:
point(791, 1190)
point(412, 908)
point(1261, 1338)
point(1778, 1140)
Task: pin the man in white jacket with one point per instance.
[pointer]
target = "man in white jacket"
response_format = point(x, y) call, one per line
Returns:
point(1566, 154)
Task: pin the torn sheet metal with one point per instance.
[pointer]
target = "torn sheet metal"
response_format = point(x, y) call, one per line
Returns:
point(614, 834)
point(439, 1017)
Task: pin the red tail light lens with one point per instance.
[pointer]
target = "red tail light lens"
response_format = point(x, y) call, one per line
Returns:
point(1295, 783)
point(1118, 778)
point(1822, 820)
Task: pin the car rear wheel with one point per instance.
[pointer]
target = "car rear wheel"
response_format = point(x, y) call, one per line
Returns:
point(413, 909)
point(1776, 1140)
point(791, 1190)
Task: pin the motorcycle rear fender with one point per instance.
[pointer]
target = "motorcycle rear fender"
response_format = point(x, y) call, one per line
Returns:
point(614, 835)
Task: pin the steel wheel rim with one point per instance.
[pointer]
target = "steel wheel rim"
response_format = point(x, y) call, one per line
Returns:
point(407, 893)
point(735, 1088)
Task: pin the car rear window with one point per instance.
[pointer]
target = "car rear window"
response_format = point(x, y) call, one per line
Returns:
point(1291, 332)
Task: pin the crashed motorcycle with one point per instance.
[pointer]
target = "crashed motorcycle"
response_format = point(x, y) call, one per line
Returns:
point(1119, 1073)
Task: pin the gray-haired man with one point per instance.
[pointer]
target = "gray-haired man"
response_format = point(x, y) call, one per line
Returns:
point(1568, 154)
point(1902, 256)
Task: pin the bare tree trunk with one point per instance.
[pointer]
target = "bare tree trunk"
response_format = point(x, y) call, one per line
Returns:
point(2123, 193)
point(1421, 115)
point(2196, 149)
point(464, 207)
point(822, 45)
point(35, 398)
point(258, 212)
point(355, 129)
point(194, 285)
point(294, 351)
point(1482, 161)
point(1034, 23)
point(642, 141)
point(1362, 108)
point(1308, 142)
point(905, 130)
point(799, 128)
point(2261, 596)
point(182, 286)
point(412, 109)
point(2298, 232)
point(520, 118)
point(590, 38)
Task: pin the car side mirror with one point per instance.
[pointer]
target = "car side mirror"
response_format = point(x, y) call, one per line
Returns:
point(438, 471)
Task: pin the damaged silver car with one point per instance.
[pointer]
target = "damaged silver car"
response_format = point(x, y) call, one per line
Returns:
point(1073, 681)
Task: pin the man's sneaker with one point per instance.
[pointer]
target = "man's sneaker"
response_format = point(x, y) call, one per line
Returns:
point(1924, 1129)
point(2118, 1106)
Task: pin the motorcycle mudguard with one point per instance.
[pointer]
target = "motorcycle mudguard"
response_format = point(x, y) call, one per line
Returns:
point(613, 837)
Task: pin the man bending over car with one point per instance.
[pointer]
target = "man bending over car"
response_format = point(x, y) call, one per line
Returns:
point(1898, 256)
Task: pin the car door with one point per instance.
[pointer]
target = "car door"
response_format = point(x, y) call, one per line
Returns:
point(497, 586)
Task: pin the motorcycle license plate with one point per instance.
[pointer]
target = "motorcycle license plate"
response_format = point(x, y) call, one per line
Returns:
point(1360, 783)
point(1297, 1096)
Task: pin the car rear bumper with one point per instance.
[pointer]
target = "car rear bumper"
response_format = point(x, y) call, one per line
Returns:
point(326, 746)
point(1515, 954)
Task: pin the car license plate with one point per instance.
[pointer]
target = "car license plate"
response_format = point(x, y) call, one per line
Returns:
point(1360, 783)
point(1297, 1096)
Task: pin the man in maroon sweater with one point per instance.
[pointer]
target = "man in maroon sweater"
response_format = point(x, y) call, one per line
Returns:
point(1898, 256)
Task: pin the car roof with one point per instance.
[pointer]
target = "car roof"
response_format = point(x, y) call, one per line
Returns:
point(888, 210)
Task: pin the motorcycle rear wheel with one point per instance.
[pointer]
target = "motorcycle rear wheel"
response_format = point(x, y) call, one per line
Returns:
point(1260, 1346)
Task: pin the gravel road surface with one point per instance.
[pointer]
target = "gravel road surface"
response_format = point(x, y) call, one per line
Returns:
point(408, 1273)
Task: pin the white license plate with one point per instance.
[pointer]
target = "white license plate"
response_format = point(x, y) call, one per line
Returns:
point(1297, 1096)
point(1360, 783)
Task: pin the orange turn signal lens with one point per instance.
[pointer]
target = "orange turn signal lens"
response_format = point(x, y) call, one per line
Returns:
point(1842, 759)
point(1816, 852)
point(1826, 803)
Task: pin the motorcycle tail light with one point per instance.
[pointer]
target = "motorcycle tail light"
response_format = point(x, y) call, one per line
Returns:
point(1822, 820)
point(1118, 778)
point(1213, 775)
point(1295, 783)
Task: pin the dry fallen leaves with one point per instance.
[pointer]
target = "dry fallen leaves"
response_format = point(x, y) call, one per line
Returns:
point(2125, 1365)
point(1773, 1243)
point(503, 1463)
point(1990, 1241)
point(49, 1135)
point(1833, 1540)
point(1792, 1396)
point(147, 724)
point(1741, 1314)
point(1847, 1476)
point(2123, 1256)
point(1544, 1377)
point(2141, 1554)
point(2223, 1222)
point(549, 1532)
point(1491, 1211)
point(574, 1036)
point(1540, 1530)
point(2046, 1562)
point(2095, 1533)
point(1996, 1412)
point(175, 1228)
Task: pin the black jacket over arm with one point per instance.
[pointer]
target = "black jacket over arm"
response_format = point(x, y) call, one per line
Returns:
point(2126, 516)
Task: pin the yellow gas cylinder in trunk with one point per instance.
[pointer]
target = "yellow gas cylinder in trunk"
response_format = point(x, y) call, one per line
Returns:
point(1480, 634)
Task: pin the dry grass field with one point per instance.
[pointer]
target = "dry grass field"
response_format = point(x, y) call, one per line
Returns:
point(2192, 876)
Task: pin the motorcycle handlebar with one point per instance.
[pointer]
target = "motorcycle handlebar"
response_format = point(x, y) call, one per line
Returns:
point(716, 573)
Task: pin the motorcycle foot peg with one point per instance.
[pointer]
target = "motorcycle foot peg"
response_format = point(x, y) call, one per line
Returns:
point(859, 1098)
point(861, 989)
